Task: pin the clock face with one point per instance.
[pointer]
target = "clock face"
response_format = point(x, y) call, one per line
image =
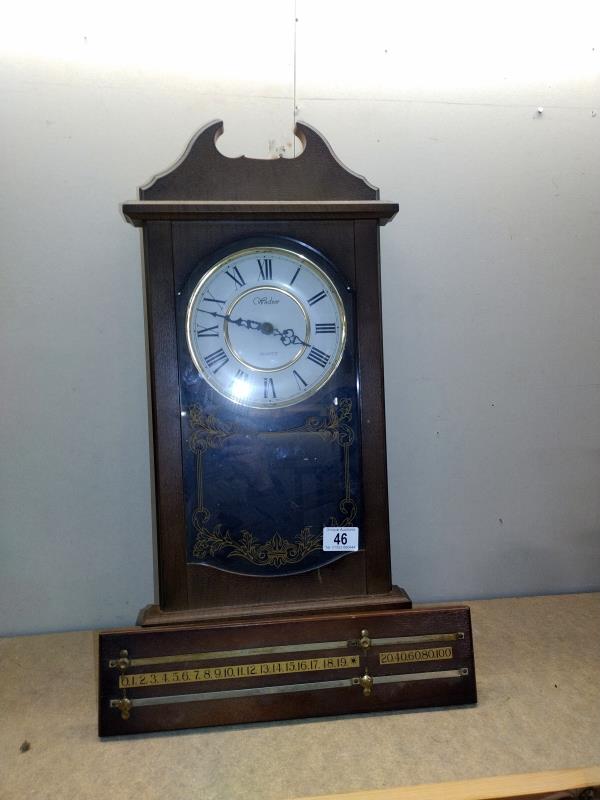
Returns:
point(265, 327)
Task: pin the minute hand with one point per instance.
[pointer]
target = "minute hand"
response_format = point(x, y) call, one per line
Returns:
point(252, 324)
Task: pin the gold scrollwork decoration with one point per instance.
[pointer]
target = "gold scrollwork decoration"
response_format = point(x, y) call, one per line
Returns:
point(334, 427)
point(276, 552)
point(207, 431)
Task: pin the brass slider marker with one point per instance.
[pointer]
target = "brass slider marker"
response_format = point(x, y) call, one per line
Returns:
point(366, 681)
point(122, 662)
point(364, 641)
point(124, 705)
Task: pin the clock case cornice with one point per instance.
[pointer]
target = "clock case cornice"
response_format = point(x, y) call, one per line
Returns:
point(182, 210)
point(206, 185)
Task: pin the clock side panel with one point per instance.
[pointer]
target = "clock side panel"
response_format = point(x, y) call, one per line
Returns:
point(374, 461)
point(166, 424)
point(209, 587)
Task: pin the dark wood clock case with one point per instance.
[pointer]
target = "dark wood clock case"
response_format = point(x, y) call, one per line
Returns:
point(205, 203)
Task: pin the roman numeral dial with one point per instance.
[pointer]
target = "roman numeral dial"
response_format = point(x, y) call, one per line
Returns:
point(235, 275)
point(265, 268)
point(265, 325)
point(318, 357)
point(217, 360)
point(316, 298)
point(325, 327)
point(212, 330)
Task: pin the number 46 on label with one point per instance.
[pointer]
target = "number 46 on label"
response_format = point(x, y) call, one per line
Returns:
point(340, 539)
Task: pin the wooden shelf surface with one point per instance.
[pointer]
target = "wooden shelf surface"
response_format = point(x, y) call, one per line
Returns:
point(538, 670)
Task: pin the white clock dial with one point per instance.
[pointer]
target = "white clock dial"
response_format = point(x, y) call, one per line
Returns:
point(266, 327)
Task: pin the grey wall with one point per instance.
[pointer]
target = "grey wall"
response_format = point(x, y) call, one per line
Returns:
point(490, 275)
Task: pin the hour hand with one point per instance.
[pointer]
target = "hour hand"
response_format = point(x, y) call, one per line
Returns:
point(289, 337)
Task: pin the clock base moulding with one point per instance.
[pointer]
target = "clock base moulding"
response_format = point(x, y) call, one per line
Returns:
point(396, 599)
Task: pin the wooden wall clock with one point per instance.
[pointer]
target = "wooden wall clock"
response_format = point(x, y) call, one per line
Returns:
point(266, 376)
point(267, 382)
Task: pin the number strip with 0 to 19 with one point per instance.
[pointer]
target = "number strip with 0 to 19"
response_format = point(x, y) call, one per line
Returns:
point(148, 679)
